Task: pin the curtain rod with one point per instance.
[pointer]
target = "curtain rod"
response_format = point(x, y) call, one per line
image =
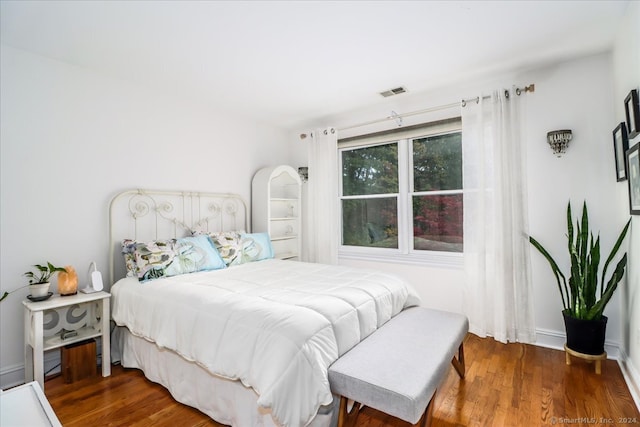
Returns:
point(463, 103)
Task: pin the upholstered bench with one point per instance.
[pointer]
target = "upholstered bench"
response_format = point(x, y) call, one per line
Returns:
point(397, 368)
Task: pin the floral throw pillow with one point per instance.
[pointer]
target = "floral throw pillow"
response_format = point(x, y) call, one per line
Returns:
point(165, 258)
point(128, 250)
point(229, 246)
point(148, 260)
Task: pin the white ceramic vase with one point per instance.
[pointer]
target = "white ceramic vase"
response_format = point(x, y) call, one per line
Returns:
point(39, 289)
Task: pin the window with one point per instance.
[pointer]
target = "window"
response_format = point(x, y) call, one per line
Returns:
point(437, 192)
point(401, 192)
point(370, 192)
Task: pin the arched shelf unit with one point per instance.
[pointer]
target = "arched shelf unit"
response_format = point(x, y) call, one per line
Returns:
point(276, 208)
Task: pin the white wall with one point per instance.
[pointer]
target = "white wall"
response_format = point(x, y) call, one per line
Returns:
point(71, 138)
point(626, 76)
point(439, 288)
point(576, 94)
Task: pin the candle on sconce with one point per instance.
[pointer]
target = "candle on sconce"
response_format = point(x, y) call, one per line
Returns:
point(68, 281)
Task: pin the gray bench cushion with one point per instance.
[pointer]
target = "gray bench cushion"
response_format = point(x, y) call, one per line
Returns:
point(397, 368)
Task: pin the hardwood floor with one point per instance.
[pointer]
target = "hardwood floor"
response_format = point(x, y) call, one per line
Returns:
point(505, 385)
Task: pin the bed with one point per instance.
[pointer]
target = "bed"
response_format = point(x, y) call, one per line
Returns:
point(245, 338)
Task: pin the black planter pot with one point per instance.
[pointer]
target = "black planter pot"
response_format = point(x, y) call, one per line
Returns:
point(585, 336)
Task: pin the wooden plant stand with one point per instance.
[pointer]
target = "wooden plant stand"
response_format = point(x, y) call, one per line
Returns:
point(598, 358)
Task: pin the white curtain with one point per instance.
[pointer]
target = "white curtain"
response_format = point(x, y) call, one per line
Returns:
point(499, 297)
point(321, 217)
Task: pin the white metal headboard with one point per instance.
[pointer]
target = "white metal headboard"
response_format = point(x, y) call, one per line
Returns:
point(146, 215)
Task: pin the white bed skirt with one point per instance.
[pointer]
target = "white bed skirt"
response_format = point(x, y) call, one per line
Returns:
point(226, 401)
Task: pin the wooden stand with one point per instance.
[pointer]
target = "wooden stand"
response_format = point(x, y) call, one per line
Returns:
point(79, 361)
point(598, 358)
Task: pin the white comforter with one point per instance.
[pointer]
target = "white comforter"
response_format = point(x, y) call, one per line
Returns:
point(274, 325)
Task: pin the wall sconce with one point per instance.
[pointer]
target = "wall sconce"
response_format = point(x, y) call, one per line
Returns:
point(303, 171)
point(559, 140)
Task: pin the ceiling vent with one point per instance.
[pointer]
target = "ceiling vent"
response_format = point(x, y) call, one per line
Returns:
point(394, 91)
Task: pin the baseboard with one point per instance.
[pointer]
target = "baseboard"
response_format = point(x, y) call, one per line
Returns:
point(554, 339)
point(631, 377)
point(12, 376)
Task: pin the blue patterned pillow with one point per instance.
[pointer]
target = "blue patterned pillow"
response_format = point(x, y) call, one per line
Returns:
point(239, 247)
point(256, 247)
point(194, 254)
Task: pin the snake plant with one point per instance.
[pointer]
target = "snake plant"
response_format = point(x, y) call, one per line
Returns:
point(584, 297)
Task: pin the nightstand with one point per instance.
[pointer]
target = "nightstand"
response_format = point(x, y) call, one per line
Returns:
point(94, 324)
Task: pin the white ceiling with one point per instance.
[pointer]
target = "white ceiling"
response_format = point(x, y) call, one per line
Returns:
point(293, 61)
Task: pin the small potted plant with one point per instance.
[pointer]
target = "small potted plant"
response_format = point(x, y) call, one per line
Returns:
point(39, 279)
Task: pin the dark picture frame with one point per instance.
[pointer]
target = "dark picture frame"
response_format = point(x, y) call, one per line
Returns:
point(620, 147)
point(633, 171)
point(632, 111)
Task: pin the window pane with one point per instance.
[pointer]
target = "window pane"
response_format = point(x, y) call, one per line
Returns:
point(437, 162)
point(370, 222)
point(370, 170)
point(437, 223)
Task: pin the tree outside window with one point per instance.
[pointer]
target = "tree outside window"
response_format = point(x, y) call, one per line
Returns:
point(372, 197)
point(437, 193)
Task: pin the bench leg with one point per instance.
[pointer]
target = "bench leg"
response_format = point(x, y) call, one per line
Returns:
point(425, 420)
point(458, 363)
point(348, 418)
